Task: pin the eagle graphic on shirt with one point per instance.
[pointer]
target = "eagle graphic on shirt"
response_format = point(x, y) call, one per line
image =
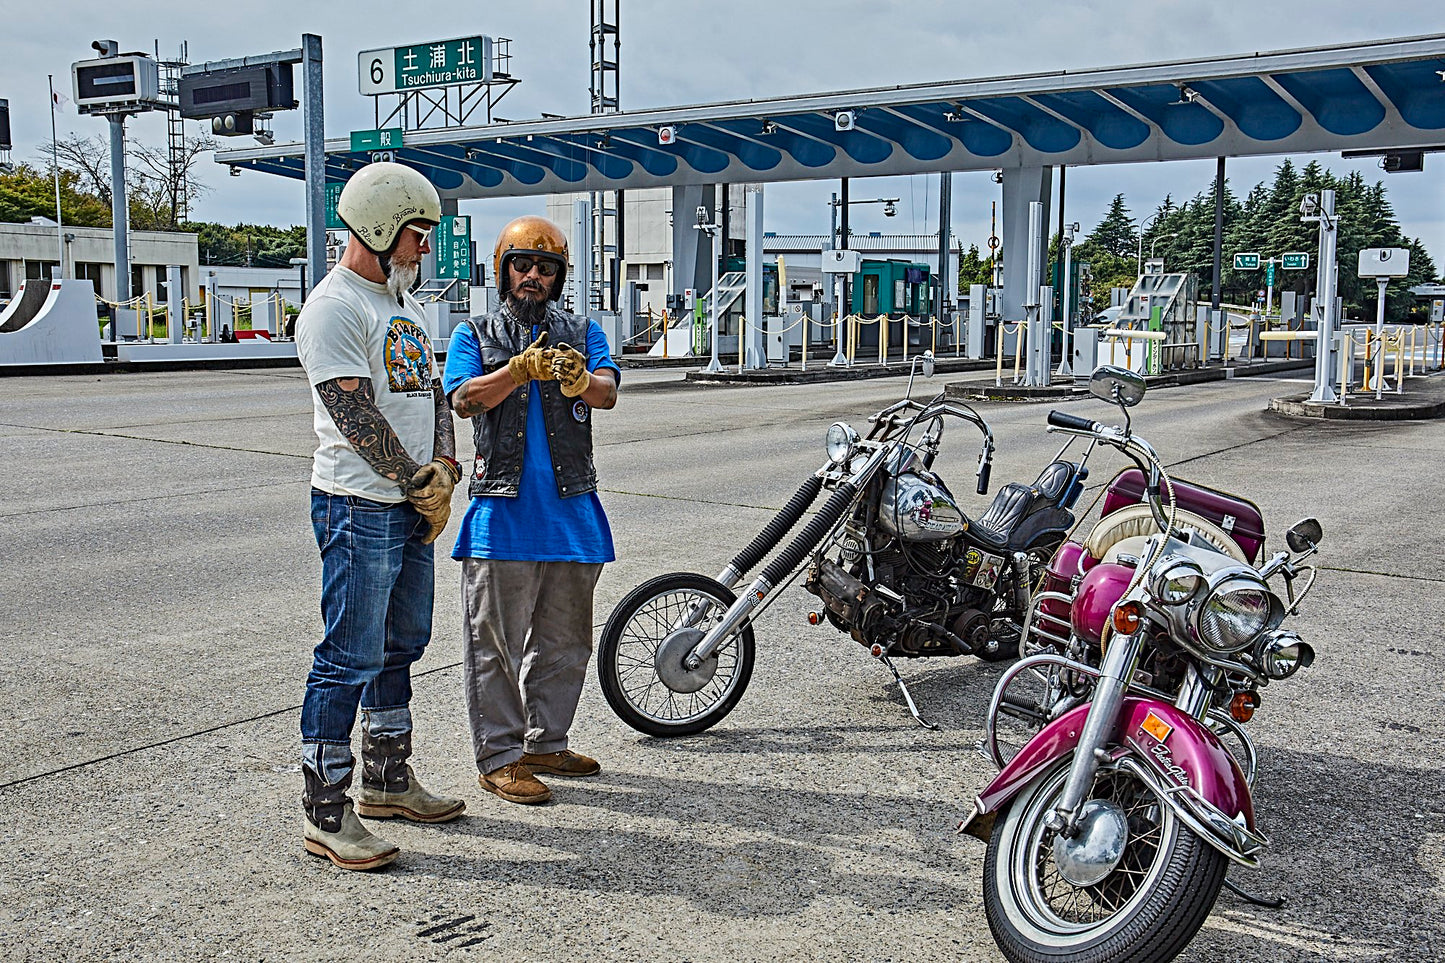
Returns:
point(408, 356)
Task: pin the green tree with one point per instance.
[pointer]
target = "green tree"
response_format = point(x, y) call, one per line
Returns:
point(974, 269)
point(1116, 233)
point(26, 192)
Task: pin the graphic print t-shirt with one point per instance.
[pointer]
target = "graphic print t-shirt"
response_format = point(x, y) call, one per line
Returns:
point(353, 328)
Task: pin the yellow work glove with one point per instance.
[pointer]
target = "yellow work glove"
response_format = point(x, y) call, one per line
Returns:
point(430, 492)
point(532, 363)
point(570, 370)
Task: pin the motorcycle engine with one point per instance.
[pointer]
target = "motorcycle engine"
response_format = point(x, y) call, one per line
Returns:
point(906, 607)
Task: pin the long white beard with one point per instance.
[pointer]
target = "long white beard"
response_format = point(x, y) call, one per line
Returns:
point(401, 279)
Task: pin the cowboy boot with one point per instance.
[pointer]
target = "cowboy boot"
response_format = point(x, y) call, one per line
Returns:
point(390, 788)
point(331, 828)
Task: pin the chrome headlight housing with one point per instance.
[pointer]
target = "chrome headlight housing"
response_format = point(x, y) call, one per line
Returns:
point(1282, 654)
point(1175, 581)
point(839, 442)
point(1237, 610)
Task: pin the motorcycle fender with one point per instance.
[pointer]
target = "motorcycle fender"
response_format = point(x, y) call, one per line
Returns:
point(1176, 746)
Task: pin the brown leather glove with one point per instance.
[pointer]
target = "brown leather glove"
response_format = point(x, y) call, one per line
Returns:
point(430, 491)
point(533, 363)
point(570, 370)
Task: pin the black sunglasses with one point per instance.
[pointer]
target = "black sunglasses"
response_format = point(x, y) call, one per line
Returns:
point(524, 265)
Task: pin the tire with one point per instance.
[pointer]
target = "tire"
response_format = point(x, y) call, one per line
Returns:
point(627, 664)
point(1004, 630)
point(1036, 916)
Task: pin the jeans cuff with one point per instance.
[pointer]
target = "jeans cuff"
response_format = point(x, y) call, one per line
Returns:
point(394, 721)
point(332, 761)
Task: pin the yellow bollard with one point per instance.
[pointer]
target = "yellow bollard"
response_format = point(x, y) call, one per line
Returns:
point(1023, 333)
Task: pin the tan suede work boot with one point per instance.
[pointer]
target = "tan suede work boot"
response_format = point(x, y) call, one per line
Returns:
point(408, 799)
point(564, 763)
point(514, 782)
point(330, 827)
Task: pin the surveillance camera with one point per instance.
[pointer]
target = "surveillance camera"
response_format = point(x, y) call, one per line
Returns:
point(701, 214)
point(235, 171)
point(889, 210)
point(1309, 204)
point(998, 177)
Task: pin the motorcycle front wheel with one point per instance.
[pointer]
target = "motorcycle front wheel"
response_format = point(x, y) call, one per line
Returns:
point(1147, 909)
point(640, 656)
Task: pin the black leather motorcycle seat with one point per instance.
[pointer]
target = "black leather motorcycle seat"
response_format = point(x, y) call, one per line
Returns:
point(1054, 479)
point(1014, 502)
point(1010, 506)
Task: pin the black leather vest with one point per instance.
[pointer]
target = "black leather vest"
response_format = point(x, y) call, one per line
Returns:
point(500, 432)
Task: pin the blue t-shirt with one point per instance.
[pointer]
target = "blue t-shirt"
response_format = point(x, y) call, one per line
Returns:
point(503, 527)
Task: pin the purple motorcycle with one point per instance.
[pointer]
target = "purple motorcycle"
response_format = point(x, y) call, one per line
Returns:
point(1110, 830)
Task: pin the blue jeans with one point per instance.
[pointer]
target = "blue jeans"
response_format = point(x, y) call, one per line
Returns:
point(377, 584)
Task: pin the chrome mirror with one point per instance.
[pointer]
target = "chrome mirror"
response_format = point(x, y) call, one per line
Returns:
point(926, 361)
point(1304, 536)
point(1118, 386)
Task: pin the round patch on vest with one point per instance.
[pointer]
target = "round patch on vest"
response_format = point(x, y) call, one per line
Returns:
point(579, 412)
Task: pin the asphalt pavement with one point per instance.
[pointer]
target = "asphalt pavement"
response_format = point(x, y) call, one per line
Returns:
point(160, 605)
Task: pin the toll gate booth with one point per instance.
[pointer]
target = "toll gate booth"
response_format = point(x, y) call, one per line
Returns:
point(902, 290)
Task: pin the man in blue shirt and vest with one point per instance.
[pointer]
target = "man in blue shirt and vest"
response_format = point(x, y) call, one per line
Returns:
point(535, 537)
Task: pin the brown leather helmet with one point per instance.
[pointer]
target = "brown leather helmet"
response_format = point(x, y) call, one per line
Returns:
point(535, 235)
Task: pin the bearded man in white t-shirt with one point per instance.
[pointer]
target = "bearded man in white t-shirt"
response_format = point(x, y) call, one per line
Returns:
point(381, 482)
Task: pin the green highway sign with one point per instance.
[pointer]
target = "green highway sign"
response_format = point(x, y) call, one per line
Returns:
point(454, 247)
point(1246, 262)
point(333, 194)
point(439, 63)
point(1269, 273)
point(386, 139)
point(1295, 262)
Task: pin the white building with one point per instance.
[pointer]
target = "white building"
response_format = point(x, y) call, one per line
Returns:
point(32, 251)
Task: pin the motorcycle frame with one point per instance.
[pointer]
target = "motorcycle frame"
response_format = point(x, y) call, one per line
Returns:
point(751, 601)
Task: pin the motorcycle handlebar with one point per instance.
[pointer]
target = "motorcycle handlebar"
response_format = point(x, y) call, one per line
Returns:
point(983, 474)
point(1062, 419)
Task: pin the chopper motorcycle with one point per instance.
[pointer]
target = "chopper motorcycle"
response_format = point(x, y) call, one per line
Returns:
point(896, 562)
point(1109, 831)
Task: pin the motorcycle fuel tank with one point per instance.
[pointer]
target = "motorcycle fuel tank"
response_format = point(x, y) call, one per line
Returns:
point(1099, 591)
point(917, 510)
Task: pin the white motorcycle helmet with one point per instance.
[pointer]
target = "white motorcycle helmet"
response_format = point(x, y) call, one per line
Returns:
point(381, 199)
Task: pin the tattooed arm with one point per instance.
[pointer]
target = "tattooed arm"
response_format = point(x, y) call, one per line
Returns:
point(445, 444)
point(476, 395)
point(352, 406)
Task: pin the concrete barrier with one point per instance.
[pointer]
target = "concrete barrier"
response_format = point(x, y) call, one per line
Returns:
point(63, 330)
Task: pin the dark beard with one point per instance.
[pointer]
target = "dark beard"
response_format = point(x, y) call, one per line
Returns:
point(526, 310)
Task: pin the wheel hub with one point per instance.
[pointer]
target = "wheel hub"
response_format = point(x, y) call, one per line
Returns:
point(671, 667)
point(1097, 845)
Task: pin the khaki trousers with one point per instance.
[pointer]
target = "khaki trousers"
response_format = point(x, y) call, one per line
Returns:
point(527, 637)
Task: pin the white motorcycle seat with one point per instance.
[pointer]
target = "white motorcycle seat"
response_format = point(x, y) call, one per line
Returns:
point(1137, 520)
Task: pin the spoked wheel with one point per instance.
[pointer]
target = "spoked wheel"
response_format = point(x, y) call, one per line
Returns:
point(1006, 625)
point(1147, 907)
point(640, 659)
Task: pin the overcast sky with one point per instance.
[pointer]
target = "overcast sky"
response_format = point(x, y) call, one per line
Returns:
point(676, 53)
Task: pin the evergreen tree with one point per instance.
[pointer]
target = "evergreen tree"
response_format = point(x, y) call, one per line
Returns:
point(1116, 233)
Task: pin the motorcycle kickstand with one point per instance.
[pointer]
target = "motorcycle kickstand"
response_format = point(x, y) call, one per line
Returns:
point(913, 709)
point(1268, 902)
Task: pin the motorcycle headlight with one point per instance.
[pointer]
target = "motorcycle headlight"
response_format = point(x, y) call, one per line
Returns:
point(1282, 654)
point(1235, 613)
point(1175, 582)
point(839, 442)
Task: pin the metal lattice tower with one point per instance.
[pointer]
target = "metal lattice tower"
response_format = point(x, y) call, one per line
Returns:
point(606, 99)
point(175, 127)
